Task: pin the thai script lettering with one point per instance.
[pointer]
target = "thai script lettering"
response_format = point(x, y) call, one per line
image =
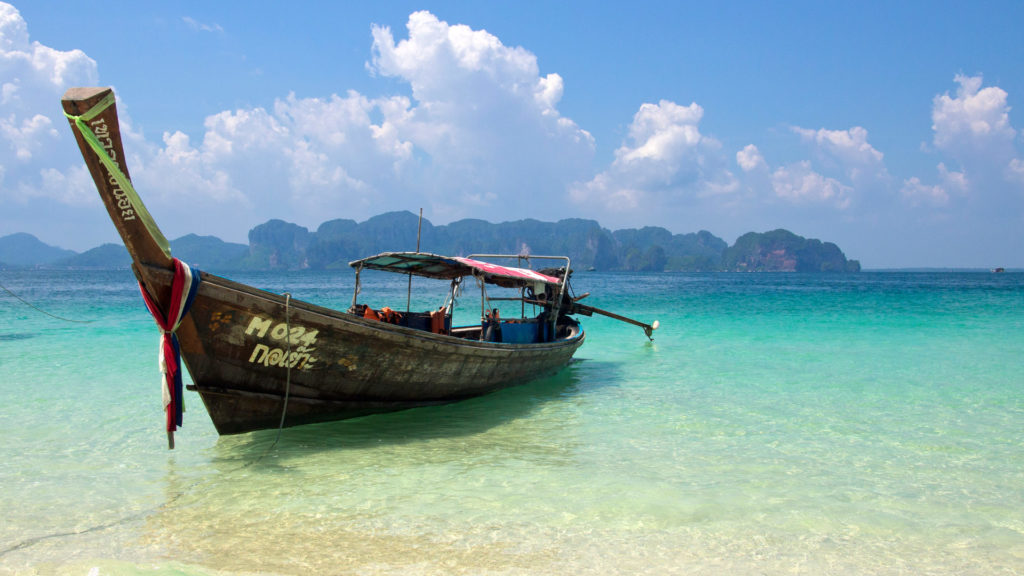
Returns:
point(124, 203)
point(298, 359)
point(296, 351)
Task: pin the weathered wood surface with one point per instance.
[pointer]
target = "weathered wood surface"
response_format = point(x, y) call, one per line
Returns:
point(245, 342)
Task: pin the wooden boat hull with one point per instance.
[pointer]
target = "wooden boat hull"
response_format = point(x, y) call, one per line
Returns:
point(255, 356)
point(244, 348)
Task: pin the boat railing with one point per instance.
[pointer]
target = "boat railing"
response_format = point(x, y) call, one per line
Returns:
point(491, 326)
point(556, 304)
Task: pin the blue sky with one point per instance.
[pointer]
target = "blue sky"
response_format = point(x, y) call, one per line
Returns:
point(890, 128)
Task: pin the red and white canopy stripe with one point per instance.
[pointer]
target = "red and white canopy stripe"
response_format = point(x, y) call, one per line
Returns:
point(508, 271)
point(435, 266)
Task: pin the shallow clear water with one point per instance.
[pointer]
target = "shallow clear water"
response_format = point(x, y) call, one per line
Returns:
point(780, 423)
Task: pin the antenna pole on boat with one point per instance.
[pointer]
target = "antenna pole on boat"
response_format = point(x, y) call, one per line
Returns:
point(408, 296)
point(419, 229)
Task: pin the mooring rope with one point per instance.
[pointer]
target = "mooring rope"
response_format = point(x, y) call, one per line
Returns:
point(29, 542)
point(287, 365)
point(40, 310)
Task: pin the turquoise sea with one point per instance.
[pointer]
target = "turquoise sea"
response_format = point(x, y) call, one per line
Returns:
point(869, 423)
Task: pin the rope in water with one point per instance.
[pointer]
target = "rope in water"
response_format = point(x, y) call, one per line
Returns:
point(40, 310)
point(29, 542)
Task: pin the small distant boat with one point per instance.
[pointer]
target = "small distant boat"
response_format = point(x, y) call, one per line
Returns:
point(999, 270)
point(261, 360)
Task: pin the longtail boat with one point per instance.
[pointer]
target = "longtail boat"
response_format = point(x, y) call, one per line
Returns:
point(261, 360)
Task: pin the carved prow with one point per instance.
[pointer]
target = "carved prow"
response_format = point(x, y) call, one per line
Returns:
point(92, 114)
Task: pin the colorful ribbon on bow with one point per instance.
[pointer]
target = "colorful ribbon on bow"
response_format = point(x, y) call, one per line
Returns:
point(183, 291)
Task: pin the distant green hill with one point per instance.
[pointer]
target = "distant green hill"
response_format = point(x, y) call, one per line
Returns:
point(781, 250)
point(652, 248)
point(209, 252)
point(104, 256)
point(280, 245)
point(23, 249)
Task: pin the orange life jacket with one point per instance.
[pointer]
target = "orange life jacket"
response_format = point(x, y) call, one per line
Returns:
point(390, 316)
point(437, 321)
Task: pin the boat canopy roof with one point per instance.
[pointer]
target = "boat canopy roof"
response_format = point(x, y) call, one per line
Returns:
point(449, 267)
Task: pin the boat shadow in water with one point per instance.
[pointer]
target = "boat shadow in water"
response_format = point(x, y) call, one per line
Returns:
point(464, 418)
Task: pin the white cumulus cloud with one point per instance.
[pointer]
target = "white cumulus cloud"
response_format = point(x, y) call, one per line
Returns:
point(848, 150)
point(484, 117)
point(305, 160)
point(951, 184)
point(843, 167)
point(665, 162)
point(975, 120)
point(973, 128)
point(800, 183)
point(32, 79)
point(750, 159)
point(973, 132)
point(1015, 171)
point(917, 193)
point(482, 135)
